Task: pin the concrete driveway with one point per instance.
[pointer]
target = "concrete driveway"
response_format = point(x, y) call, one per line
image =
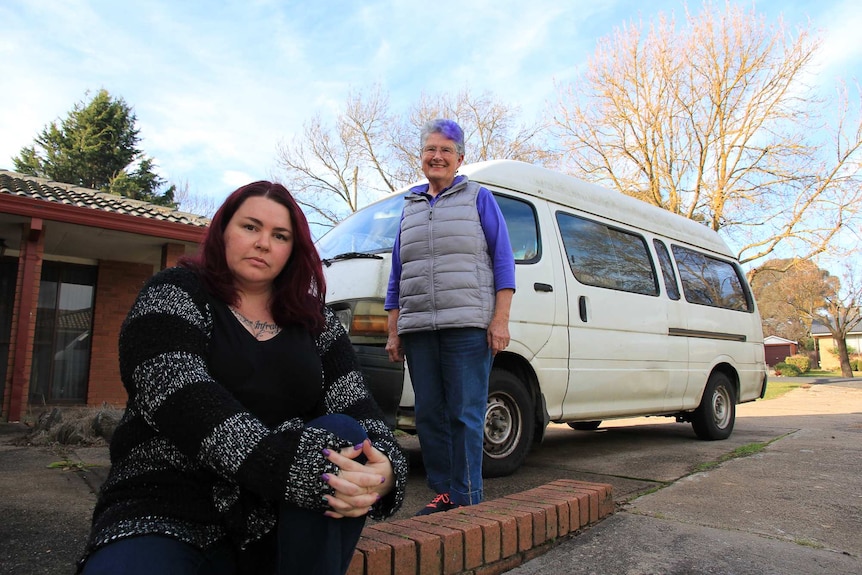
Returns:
point(793, 507)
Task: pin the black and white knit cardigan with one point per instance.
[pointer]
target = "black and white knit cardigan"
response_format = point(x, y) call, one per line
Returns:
point(188, 461)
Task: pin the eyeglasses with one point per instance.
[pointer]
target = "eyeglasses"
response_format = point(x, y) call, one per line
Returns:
point(432, 151)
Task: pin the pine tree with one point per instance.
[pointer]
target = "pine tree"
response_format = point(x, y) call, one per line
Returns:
point(96, 147)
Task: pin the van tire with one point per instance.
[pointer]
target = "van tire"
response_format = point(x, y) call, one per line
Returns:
point(714, 417)
point(584, 425)
point(508, 432)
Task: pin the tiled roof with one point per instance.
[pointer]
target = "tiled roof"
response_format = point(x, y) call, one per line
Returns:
point(818, 328)
point(15, 184)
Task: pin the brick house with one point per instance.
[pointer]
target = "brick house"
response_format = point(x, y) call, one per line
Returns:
point(72, 261)
point(824, 343)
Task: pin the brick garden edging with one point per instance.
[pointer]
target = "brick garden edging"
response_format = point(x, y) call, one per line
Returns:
point(486, 539)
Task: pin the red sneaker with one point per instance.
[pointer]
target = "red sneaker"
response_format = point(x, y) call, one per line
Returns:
point(438, 504)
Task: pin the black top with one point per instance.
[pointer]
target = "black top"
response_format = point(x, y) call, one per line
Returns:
point(188, 460)
point(275, 379)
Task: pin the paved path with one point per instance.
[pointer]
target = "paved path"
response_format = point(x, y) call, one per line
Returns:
point(793, 508)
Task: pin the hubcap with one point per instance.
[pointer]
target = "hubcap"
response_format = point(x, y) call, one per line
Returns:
point(721, 407)
point(502, 427)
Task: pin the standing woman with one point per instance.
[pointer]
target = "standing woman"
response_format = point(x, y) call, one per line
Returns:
point(449, 295)
point(250, 443)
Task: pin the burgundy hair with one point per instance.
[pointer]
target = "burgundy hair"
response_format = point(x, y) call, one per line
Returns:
point(298, 291)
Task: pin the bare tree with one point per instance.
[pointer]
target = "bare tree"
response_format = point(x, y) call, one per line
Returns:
point(714, 121)
point(369, 151)
point(491, 129)
point(840, 313)
point(799, 288)
point(197, 204)
point(331, 170)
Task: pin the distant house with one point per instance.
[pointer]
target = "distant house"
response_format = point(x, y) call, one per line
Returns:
point(71, 263)
point(824, 344)
point(778, 348)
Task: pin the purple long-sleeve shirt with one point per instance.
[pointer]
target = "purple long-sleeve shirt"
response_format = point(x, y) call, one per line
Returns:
point(496, 235)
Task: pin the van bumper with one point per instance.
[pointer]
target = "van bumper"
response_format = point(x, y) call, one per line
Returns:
point(384, 379)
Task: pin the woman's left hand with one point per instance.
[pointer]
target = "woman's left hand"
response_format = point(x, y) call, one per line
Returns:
point(498, 335)
point(357, 486)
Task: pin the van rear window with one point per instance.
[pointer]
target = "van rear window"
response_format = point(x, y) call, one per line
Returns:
point(710, 281)
point(607, 257)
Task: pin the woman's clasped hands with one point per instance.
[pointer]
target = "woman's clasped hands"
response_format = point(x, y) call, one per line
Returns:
point(357, 485)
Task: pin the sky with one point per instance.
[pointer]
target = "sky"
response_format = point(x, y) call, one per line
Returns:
point(217, 86)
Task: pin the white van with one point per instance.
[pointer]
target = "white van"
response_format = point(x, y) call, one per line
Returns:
point(622, 309)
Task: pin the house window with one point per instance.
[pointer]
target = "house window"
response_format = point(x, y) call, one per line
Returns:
point(8, 274)
point(61, 349)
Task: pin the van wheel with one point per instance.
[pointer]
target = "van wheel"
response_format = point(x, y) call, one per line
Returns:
point(584, 425)
point(716, 414)
point(508, 425)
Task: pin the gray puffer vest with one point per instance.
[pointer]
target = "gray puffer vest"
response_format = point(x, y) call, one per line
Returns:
point(447, 277)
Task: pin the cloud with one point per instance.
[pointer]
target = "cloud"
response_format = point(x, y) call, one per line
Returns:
point(216, 86)
point(841, 50)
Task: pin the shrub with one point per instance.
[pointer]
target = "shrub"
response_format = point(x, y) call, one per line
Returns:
point(75, 426)
point(786, 369)
point(856, 364)
point(803, 362)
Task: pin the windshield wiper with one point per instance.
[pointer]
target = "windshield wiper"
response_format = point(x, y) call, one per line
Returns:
point(350, 256)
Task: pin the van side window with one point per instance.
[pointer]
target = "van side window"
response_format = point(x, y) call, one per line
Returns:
point(523, 228)
point(607, 257)
point(667, 272)
point(710, 281)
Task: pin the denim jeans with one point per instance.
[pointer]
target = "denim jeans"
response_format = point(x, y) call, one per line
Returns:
point(449, 369)
point(305, 541)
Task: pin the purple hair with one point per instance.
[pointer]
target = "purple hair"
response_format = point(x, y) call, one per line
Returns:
point(448, 128)
point(298, 292)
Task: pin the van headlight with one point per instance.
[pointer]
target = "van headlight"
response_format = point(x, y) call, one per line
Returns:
point(369, 319)
point(344, 316)
point(365, 321)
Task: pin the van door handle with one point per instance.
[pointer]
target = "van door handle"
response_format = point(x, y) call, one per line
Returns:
point(542, 287)
point(582, 308)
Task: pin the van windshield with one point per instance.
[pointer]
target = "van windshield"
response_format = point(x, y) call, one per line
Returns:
point(371, 230)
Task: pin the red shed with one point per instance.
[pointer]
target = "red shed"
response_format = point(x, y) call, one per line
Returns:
point(778, 348)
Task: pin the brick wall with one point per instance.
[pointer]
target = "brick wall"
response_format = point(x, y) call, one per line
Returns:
point(486, 539)
point(171, 253)
point(116, 289)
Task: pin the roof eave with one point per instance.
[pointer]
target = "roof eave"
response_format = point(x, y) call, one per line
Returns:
point(101, 219)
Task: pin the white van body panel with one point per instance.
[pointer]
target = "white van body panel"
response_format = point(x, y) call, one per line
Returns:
point(589, 351)
point(366, 277)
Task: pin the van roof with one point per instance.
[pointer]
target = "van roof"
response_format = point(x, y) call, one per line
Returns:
point(568, 191)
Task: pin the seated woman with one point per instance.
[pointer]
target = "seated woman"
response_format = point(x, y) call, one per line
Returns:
point(250, 443)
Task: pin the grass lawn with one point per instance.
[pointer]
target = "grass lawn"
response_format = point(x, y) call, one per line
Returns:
point(822, 373)
point(778, 388)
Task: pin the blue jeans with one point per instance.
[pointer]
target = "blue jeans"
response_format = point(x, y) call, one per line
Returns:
point(304, 542)
point(449, 369)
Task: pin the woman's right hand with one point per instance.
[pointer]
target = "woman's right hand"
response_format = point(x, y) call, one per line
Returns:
point(358, 486)
point(393, 342)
